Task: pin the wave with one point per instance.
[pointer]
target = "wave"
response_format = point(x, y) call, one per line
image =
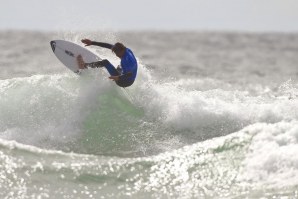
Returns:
point(69, 136)
point(89, 114)
point(259, 159)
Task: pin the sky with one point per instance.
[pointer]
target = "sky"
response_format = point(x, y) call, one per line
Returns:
point(168, 15)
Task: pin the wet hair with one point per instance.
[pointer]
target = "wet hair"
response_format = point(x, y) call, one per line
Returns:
point(118, 47)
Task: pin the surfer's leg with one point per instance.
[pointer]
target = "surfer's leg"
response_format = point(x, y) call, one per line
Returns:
point(111, 69)
point(97, 64)
point(104, 63)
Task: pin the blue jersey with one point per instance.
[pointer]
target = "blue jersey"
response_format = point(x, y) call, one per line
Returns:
point(129, 65)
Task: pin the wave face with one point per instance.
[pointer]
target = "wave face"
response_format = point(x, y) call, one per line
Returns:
point(69, 136)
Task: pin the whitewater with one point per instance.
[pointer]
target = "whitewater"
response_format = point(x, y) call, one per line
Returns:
point(211, 115)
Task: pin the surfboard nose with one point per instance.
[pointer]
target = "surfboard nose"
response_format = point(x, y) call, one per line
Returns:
point(53, 45)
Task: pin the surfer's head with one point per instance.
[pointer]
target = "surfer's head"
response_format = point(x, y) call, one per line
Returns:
point(119, 49)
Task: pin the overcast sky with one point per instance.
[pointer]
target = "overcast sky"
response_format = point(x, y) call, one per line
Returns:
point(228, 15)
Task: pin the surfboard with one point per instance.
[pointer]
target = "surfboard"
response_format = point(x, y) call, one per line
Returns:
point(67, 52)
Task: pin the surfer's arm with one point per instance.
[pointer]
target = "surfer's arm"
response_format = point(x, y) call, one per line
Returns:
point(101, 44)
point(88, 42)
point(121, 77)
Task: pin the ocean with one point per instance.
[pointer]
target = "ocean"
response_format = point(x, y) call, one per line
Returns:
point(211, 115)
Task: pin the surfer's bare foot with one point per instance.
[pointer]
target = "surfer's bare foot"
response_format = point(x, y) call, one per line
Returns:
point(81, 62)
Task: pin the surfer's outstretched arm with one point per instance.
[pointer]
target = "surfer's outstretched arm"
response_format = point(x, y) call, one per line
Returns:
point(95, 43)
point(101, 44)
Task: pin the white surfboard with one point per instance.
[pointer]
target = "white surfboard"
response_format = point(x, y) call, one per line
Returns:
point(67, 52)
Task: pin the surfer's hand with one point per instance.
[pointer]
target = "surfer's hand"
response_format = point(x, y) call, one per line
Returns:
point(88, 42)
point(114, 78)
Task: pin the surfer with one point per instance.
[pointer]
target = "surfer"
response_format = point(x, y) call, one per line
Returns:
point(125, 74)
